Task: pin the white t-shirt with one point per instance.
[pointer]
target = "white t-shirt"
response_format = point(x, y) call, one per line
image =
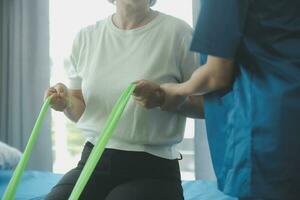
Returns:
point(106, 59)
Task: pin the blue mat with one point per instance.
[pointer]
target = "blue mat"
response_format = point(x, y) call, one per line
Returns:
point(35, 185)
point(203, 190)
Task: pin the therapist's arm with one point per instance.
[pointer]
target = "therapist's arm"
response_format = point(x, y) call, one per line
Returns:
point(216, 74)
point(218, 33)
point(192, 107)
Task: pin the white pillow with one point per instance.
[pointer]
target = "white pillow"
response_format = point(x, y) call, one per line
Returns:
point(9, 157)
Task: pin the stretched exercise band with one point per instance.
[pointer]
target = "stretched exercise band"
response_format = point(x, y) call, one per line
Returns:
point(14, 181)
point(98, 149)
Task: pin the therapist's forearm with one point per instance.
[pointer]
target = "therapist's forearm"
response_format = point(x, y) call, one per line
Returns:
point(216, 74)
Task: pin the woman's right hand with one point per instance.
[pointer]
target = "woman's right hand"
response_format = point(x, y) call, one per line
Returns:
point(59, 93)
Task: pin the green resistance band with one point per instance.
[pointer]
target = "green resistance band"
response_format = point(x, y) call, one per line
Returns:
point(14, 181)
point(93, 158)
point(98, 149)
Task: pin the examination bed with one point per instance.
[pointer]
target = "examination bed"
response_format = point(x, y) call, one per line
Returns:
point(35, 185)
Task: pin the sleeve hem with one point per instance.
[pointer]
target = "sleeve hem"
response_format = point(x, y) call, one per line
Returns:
point(74, 84)
point(213, 50)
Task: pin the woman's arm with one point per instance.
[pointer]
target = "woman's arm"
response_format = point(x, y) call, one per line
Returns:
point(77, 105)
point(70, 102)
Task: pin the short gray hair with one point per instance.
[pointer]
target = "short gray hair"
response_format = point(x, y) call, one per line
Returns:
point(152, 2)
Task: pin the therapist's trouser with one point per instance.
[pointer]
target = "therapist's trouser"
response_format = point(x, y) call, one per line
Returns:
point(124, 175)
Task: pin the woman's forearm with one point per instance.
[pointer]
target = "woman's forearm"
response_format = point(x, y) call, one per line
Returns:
point(76, 108)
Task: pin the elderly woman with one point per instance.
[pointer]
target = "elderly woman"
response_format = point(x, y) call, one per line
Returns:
point(141, 160)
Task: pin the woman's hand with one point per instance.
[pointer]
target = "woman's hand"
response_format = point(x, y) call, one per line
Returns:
point(168, 96)
point(148, 94)
point(59, 93)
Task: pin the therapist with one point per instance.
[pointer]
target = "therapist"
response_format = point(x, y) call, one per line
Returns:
point(254, 126)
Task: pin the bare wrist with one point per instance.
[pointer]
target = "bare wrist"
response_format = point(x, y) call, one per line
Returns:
point(69, 104)
point(161, 97)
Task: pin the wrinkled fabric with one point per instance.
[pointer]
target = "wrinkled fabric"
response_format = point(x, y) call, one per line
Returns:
point(9, 157)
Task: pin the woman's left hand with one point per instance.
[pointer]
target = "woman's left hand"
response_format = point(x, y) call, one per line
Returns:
point(148, 94)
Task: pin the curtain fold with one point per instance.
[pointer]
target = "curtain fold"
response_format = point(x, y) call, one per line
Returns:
point(203, 163)
point(24, 75)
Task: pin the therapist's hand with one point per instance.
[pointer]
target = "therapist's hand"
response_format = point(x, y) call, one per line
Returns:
point(148, 94)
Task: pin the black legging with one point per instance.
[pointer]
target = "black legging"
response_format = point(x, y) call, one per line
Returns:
point(124, 175)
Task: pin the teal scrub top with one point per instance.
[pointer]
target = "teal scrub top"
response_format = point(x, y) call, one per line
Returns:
point(254, 128)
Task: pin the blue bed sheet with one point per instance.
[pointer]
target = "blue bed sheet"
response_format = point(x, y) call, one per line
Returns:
point(203, 190)
point(35, 185)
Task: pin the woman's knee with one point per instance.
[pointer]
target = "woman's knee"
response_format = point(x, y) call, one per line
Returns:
point(64, 187)
point(147, 190)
